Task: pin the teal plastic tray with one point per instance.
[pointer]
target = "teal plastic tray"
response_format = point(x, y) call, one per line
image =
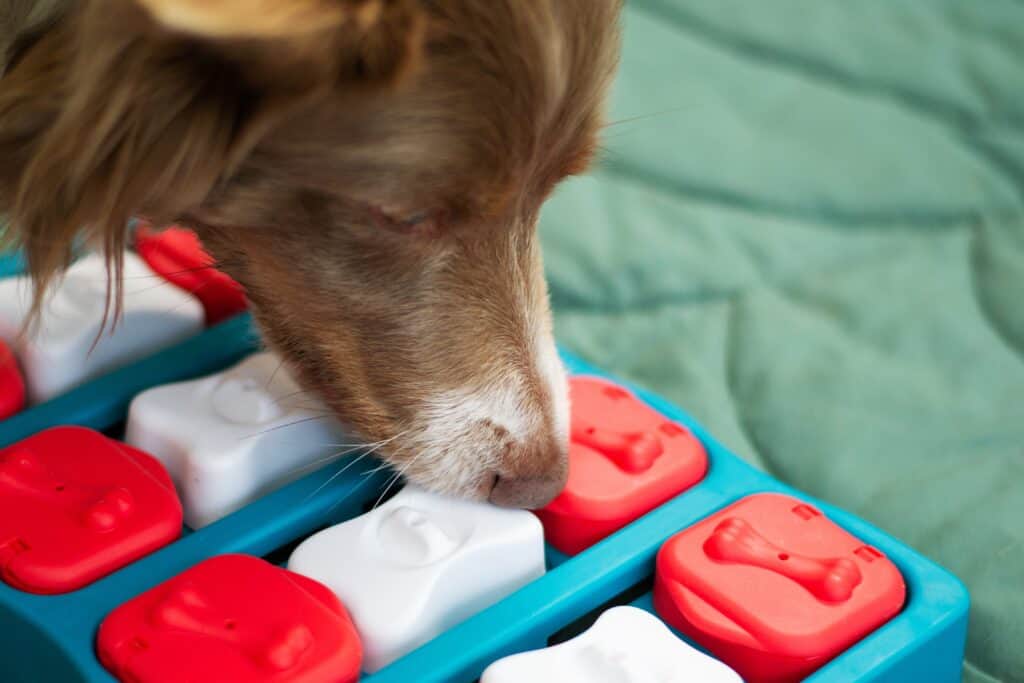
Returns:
point(51, 638)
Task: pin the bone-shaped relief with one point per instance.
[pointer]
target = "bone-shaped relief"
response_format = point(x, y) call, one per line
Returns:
point(101, 510)
point(187, 609)
point(632, 452)
point(831, 580)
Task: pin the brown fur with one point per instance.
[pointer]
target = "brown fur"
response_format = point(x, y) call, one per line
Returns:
point(370, 170)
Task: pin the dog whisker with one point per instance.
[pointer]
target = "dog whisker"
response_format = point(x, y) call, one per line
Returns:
point(285, 426)
point(178, 306)
point(289, 394)
point(336, 475)
point(642, 117)
point(375, 470)
point(156, 276)
point(391, 482)
point(270, 380)
point(398, 475)
point(373, 448)
point(333, 456)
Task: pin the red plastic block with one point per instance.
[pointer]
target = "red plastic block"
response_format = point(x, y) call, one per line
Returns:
point(12, 386)
point(625, 459)
point(773, 588)
point(232, 618)
point(177, 255)
point(75, 506)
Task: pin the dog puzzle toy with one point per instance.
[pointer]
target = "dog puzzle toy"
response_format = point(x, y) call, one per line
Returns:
point(101, 581)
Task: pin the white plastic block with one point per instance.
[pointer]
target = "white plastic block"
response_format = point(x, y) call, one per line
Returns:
point(625, 645)
point(58, 354)
point(232, 437)
point(420, 564)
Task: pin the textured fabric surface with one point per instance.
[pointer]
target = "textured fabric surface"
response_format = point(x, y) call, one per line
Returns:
point(808, 231)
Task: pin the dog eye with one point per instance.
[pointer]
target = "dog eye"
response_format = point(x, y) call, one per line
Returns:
point(417, 219)
point(422, 223)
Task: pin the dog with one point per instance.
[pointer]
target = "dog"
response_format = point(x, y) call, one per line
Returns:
point(371, 171)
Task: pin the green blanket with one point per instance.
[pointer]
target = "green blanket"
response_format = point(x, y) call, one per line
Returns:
point(808, 231)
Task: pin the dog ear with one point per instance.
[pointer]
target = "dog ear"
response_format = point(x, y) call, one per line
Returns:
point(145, 106)
point(257, 18)
point(372, 39)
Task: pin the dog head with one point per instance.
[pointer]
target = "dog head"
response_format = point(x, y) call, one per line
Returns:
point(370, 170)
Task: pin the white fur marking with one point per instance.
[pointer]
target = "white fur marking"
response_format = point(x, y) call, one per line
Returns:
point(451, 451)
point(552, 373)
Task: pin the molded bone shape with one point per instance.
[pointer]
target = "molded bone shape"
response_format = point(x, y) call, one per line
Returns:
point(625, 459)
point(12, 385)
point(419, 564)
point(232, 618)
point(625, 645)
point(178, 256)
point(114, 507)
point(828, 579)
point(101, 509)
point(774, 588)
point(232, 437)
point(75, 505)
point(59, 354)
point(633, 452)
point(185, 609)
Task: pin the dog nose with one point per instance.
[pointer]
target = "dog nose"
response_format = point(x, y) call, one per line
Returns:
point(534, 479)
point(530, 493)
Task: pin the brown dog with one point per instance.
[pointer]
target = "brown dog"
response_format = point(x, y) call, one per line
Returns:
point(370, 170)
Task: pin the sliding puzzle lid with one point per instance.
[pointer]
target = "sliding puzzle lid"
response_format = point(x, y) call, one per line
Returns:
point(232, 618)
point(772, 586)
point(76, 505)
point(625, 459)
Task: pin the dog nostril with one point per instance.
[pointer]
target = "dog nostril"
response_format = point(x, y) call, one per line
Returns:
point(529, 473)
point(525, 492)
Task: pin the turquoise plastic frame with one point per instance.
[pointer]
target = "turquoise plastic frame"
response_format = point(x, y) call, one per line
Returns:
point(50, 638)
point(10, 264)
